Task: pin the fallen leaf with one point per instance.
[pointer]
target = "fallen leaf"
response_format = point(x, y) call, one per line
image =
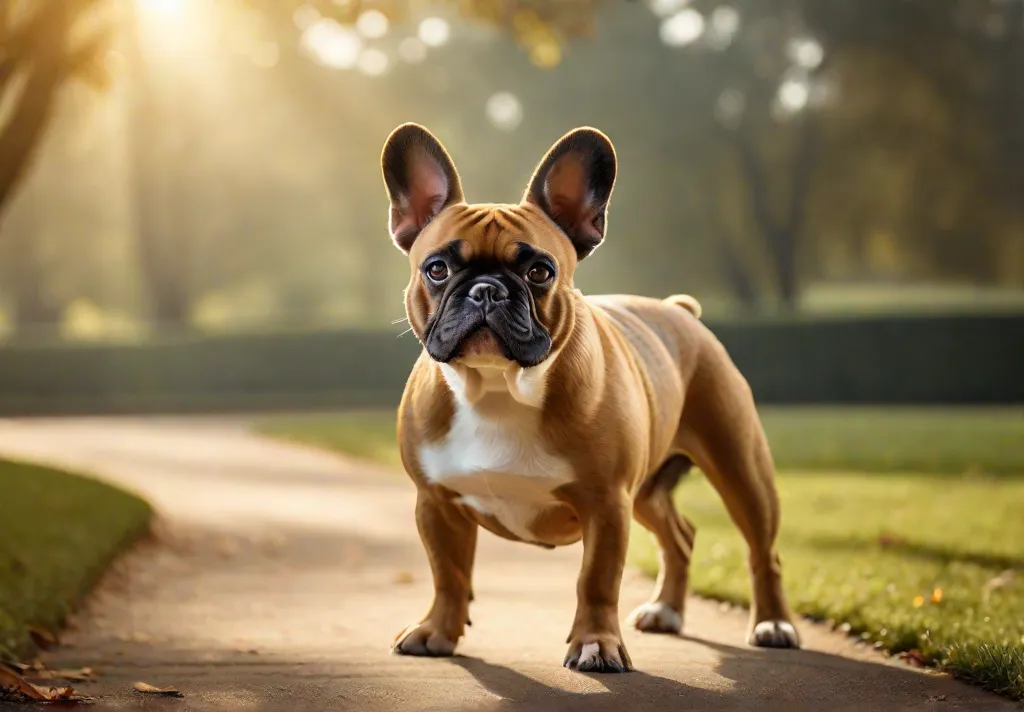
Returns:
point(403, 577)
point(15, 685)
point(43, 638)
point(918, 601)
point(937, 596)
point(914, 658)
point(150, 690)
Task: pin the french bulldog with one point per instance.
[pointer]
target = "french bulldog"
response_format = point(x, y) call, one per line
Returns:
point(549, 417)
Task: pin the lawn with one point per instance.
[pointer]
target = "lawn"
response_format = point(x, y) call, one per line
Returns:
point(903, 526)
point(58, 532)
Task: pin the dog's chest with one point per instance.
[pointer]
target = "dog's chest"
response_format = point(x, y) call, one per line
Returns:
point(500, 467)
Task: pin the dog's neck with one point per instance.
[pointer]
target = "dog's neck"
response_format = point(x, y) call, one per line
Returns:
point(475, 382)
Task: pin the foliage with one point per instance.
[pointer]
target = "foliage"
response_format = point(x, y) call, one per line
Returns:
point(780, 144)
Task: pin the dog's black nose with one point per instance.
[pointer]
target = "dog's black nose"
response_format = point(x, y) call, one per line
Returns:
point(486, 291)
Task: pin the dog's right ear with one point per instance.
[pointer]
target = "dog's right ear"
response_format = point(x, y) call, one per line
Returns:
point(421, 181)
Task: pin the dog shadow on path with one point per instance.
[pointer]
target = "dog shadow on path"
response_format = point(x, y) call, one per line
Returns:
point(623, 693)
point(754, 679)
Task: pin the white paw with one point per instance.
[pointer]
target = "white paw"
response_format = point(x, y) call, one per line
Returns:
point(656, 617)
point(774, 634)
point(590, 654)
point(423, 640)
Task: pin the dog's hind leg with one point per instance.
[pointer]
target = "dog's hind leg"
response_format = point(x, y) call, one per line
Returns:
point(654, 509)
point(722, 431)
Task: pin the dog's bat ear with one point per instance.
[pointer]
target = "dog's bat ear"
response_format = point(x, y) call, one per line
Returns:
point(420, 179)
point(573, 185)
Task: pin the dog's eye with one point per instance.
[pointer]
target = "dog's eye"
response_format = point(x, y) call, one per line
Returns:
point(437, 271)
point(539, 274)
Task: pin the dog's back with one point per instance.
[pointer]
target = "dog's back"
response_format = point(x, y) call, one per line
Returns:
point(653, 326)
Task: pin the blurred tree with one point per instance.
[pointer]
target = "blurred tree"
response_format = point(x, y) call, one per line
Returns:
point(41, 47)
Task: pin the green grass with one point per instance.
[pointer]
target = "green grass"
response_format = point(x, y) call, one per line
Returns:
point(935, 441)
point(946, 441)
point(881, 508)
point(58, 532)
point(369, 435)
point(872, 552)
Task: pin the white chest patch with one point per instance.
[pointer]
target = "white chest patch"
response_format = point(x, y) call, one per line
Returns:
point(498, 465)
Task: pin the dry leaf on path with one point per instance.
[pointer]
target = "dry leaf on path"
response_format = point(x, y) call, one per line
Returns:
point(150, 690)
point(403, 577)
point(914, 658)
point(12, 684)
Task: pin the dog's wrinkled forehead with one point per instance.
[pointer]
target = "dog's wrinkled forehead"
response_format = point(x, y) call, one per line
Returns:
point(492, 233)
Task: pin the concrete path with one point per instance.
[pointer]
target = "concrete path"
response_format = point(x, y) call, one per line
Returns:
point(281, 574)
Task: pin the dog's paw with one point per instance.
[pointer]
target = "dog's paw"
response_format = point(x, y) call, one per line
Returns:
point(774, 634)
point(656, 617)
point(603, 655)
point(425, 640)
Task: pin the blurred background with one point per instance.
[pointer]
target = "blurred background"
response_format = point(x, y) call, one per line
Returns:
point(192, 214)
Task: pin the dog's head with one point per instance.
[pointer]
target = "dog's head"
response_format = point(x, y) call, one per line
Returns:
point(493, 284)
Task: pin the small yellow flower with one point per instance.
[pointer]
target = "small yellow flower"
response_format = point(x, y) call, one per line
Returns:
point(918, 601)
point(937, 596)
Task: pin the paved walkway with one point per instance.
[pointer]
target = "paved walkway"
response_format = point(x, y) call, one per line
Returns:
point(281, 574)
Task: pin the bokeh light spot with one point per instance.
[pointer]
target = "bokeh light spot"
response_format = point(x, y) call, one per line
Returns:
point(546, 54)
point(372, 24)
point(412, 50)
point(305, 16)
point(434, 31)
point(724, 23)
point(667, 8)
point(806, 52)
point(730, 107)
point(793, 95)
point(683, 28)
point(373, 62)
point(332, 45)
point(504, 111)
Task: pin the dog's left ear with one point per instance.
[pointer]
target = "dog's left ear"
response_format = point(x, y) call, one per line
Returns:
point(573, 185)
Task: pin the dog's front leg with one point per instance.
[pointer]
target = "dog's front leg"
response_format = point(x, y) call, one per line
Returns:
point(595, 643)
point(450, 540)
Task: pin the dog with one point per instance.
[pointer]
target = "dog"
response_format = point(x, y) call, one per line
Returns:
point(549, 417)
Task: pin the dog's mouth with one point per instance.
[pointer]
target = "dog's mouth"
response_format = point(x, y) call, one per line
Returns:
point(482, 349)
point(494, 337)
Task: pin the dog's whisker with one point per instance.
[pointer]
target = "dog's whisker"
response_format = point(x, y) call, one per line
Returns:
point(404, 332)
point(399, 321)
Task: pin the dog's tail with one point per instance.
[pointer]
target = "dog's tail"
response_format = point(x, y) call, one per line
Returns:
point(685, 301)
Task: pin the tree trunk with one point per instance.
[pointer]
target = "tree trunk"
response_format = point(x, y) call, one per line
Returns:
point(33, 111)
point(40, 43)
